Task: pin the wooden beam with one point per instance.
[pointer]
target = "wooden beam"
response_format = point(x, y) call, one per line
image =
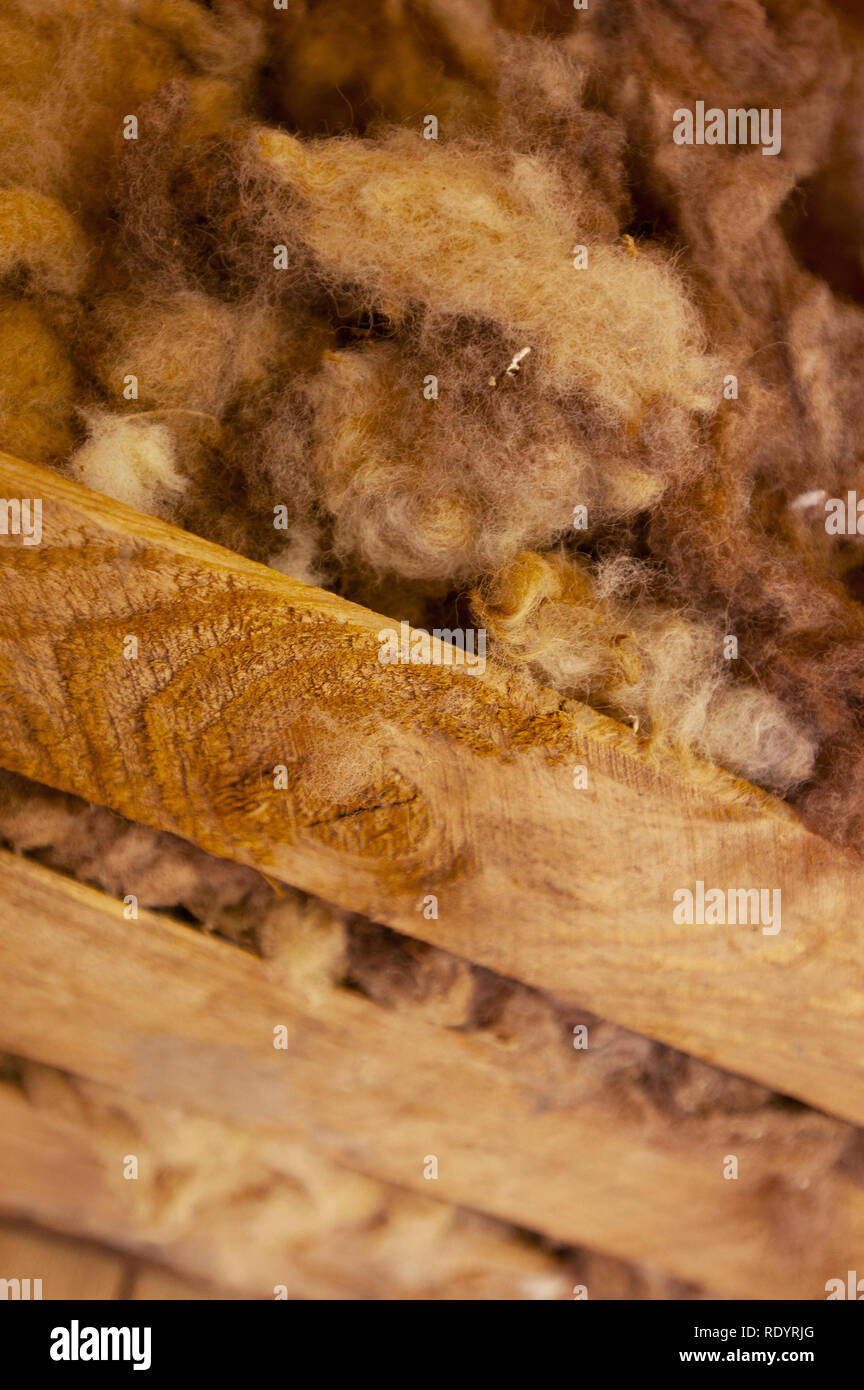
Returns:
point(66, 1268)
point(176, 1019)
point(408, 781)
point(240, 1216)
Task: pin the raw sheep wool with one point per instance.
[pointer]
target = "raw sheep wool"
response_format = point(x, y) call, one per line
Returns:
point(434, 280)
point(659, 670)
point(148, 480)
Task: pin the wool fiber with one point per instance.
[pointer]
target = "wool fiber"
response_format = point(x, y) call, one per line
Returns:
point(433, 281)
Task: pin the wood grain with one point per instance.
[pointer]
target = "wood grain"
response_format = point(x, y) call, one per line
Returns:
point(406, 781)
point(221, 1224)
point(170, 1018)
point(68, 1268)
point(235, 1230)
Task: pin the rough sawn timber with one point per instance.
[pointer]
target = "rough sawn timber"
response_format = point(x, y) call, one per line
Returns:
point(406, 781)
point(162, 1017)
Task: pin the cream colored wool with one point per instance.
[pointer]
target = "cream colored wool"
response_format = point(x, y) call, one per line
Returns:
point(661, 670)
point(132, 460)
point(413, 221)
point(299, 558)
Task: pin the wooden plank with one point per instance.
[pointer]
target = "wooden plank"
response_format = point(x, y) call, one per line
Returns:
point(395, 1246)
point(67, 1268)
point(247, 1216)
point(405, 781)
point(156, 1011)
point(153, 1284)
